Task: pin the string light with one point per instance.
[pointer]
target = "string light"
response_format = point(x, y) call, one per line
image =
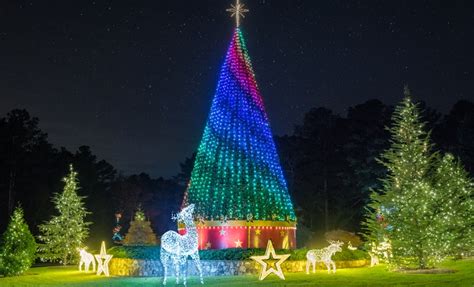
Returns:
point(270, 254)
point(323, 255)
point(176, 247)
point(237, 173)
point(86, 259)
point(103, 260)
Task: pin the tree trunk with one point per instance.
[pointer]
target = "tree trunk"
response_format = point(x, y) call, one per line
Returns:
point(326, 204)
point(11, 192)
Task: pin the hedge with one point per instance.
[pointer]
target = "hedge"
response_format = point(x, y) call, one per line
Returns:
point(153, 252)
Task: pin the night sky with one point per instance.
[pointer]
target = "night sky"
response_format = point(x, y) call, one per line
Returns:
point(134, 80)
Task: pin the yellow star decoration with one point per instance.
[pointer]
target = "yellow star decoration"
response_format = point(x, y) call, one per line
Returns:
point(257, 232)
point(270, 252)
point(103, 260)
point(238, 244)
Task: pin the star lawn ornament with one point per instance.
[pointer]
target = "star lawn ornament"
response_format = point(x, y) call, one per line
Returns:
point(271, 255)
point(103, 260)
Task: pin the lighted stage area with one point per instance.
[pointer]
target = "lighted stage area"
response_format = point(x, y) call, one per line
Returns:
point(246, 234)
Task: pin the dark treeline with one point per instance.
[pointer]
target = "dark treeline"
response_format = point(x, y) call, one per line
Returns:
point(329, 162)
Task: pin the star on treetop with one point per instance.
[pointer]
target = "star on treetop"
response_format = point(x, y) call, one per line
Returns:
point(237, 10)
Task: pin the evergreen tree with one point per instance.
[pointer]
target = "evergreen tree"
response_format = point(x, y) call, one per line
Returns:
point(65, 232)
point(454, 206)
point(140, 232)
point(17, 246)
point(402, 210)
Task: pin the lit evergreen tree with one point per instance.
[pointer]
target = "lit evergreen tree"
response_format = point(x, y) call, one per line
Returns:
point(17, 246)
point(65, 232)
point(402, 210)
point(454, 206)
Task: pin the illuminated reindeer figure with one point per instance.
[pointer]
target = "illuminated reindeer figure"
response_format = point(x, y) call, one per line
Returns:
point(177, 248)
point(323, 255)
point(86, 260)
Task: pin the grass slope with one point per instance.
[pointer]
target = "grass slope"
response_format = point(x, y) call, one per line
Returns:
point(377, 276)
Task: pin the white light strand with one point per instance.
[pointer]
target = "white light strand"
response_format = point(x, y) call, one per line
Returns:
point(176, 247)
point(86, 260)
point(323, 255)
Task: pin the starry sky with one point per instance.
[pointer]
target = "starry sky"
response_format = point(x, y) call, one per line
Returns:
point(134, 79)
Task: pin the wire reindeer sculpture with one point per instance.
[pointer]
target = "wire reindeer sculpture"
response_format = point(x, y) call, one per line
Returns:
point(176, 248)
point(86, 260)
point(323, 255)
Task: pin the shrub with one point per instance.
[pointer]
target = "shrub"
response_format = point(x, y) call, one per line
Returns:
point(136, 252)
point(17, 246)
point(344, 236)
point(153, 252)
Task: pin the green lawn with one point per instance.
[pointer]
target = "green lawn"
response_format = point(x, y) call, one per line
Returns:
point(377, 276)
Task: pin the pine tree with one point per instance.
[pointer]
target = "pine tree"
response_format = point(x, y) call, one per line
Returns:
point(402, 211)
point(65, 232)
point(454, 206)
point(17, 246)
point(140, 232)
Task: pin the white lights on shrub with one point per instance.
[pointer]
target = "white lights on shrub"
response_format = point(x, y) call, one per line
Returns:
point(383, 250)
point(103, 260)
point(176, 247)
point(271, 255)
point(323, 255)
point(86, 260)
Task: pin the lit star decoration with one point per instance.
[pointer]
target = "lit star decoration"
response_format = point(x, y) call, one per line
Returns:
point(270, 254)
point(103, 260)
point(257, 232)
point(237, 10)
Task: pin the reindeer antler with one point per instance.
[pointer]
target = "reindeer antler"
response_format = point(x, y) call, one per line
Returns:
point(174, 216)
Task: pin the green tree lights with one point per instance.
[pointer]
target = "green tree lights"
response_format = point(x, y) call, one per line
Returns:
point(424, 203)
point(17, 246)
point(237, 173)
point(65, 232)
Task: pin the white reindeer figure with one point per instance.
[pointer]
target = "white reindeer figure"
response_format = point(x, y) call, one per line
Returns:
point(177, 248)
point(323, 255)
point(86, 259)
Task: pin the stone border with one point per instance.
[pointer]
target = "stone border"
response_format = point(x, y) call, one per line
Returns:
point(153, 268)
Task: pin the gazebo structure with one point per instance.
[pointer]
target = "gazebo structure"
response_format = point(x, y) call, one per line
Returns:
point(237, 183)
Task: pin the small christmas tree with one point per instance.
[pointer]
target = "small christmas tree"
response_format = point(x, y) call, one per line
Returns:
point(454, 206)
point(402, 210)
point(140, 232)
point(65, 232)
point(17, 246)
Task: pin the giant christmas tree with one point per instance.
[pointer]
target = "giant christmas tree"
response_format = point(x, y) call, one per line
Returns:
point(237, 183)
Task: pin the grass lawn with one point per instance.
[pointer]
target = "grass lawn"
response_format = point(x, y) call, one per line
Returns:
point(376, 276)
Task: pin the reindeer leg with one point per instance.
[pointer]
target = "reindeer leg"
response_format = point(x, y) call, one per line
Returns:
point(328, 265)
point(184, 262)
point(197, 262)
point(176, 267)
point(164, 261)
point(307, 266)
point(314, 266)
